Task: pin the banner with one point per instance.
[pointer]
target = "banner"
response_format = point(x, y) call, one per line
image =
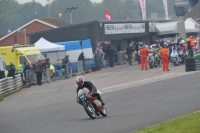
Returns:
point(143, 8)
point(166, 9)
point(107, 15)
point(124, 28)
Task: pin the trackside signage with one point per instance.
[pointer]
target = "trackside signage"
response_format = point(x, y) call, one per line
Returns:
point(124, 28)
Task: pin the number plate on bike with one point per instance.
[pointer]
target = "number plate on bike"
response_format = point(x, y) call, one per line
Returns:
point(83, 98)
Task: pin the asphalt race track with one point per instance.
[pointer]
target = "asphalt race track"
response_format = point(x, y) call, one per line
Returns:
point(134, 99)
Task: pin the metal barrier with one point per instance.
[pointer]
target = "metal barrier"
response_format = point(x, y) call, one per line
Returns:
point(67, 70)
point(31, 77)
point(87, 66)
point(197, 64)
point(10, 84)
point(46, 76)
point(121, 56)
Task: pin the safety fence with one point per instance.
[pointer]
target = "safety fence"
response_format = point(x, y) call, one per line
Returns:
point(31, 77)
point(75, 68)
point(121, 57)
point(10, 84)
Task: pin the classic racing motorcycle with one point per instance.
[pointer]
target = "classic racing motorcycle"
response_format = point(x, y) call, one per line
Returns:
point(93, 107)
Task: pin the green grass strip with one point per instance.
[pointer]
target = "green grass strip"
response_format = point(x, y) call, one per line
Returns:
point(186, 124)
point(3, 96)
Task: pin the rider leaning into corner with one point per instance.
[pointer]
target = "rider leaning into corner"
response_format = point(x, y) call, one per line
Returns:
point(87, 84)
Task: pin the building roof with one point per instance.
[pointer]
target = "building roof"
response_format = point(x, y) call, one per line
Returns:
point(55, 21)
point(52, 22)
point(194, 13)
point(1, 35)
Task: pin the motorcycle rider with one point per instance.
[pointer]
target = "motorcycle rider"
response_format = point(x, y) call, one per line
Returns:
point(87, 84)
point(174, 49)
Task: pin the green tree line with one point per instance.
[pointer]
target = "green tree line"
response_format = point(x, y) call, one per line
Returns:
point(14, 14)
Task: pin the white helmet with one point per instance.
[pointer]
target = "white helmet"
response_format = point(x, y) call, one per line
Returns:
point(80, 80)
point(182, 41)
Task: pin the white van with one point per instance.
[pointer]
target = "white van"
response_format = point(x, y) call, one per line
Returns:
point(2, 68)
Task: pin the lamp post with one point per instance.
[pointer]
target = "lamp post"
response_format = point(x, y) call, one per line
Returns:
point(49, 7)
point(69, 9)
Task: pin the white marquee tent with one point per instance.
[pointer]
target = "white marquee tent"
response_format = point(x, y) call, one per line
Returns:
point(51, 50)
point(191, 25)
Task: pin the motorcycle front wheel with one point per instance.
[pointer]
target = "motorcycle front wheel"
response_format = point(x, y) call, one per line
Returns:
point(89, 110)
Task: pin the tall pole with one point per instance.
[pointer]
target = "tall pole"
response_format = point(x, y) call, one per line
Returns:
point(71, 17)
point(69, 9)
point(49, 8)
point(25, 36)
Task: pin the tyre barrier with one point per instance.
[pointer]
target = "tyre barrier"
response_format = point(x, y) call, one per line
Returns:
point(10, 85)
point(197, 63)
point(191, 64)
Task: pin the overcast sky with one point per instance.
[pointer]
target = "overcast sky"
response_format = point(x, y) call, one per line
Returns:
point(43, 2)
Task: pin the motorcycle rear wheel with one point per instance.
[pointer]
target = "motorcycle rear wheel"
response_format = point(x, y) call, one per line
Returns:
point(89, 110)
point(104, 111)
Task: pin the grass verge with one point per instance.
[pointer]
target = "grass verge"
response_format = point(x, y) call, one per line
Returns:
point(3, 96)
point(186, 124)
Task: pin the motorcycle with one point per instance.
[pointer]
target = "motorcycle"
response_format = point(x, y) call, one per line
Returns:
point(93, 107)
point(151, 61)
point(181, 57)
point(174, 58)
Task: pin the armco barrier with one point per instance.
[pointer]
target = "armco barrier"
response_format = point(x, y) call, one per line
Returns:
point(197, 64)
point(10, 84)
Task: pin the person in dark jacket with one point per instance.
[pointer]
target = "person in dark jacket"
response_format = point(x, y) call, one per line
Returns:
point(81, 56)
point(27, 67)
point(111, 53)
point(38, 71)
point(11, 70)
point(66, 65)
point(190, 50)
point(129, 51)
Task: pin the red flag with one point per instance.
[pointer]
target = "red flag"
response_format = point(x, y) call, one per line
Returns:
point(127, 18)
point(107, 15)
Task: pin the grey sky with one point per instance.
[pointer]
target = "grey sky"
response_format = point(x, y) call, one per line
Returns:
point(43, 2)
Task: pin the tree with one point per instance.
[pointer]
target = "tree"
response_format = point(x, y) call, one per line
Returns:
point(13, 14)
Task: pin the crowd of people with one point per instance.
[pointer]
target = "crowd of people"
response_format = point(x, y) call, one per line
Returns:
point(169, 53)
point(39, 68)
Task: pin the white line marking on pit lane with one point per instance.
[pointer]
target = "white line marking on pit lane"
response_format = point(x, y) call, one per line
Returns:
point(135, 81)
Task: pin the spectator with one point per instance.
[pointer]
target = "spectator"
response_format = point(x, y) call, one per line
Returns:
point(38, 71)
point(11, 70)
point(66, 59)
point(102, 54)
point(129, 51)
point(190, 50)
point(52, 71)
point(112, 53)
point(27, 67)
point(81, 57)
